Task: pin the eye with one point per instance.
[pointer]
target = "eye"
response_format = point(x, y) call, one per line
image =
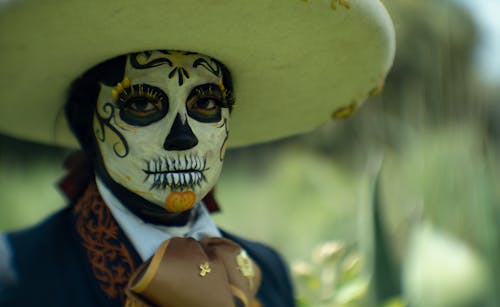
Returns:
point(204, 109)
point(204, 104)
point(142, 104)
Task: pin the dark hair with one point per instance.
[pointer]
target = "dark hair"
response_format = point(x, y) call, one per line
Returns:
point(83, 92)
point(82, 97)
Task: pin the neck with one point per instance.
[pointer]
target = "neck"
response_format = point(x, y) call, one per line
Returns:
point(145, 210)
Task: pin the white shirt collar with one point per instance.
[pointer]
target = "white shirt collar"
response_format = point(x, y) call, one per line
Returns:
point(146, 237)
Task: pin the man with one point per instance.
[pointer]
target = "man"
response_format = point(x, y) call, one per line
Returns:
point(155, 125)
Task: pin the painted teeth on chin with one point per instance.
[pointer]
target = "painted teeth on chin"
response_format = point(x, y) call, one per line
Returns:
point(181, 172)
point(163, 181)
point(164, 164)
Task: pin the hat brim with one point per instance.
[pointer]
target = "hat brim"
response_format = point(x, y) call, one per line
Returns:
point(293, 62)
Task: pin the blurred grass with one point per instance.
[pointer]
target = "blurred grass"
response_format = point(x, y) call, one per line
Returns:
point(447, 176)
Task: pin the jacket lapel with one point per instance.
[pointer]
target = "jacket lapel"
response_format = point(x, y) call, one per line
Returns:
point(108, 255)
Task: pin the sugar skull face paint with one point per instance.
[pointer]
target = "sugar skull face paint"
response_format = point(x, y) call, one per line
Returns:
point(162, 131)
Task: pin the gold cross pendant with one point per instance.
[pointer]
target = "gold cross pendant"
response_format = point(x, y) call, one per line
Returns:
point(204, 269)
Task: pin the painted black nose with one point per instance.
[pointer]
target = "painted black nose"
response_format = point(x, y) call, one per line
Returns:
point(181, 137)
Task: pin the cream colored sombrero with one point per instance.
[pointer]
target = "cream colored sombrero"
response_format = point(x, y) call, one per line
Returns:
point(295, 63)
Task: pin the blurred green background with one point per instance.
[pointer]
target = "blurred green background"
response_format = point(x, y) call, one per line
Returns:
point(409, 184)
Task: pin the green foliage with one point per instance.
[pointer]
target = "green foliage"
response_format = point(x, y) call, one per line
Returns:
point(331, 277)
point(28, 175)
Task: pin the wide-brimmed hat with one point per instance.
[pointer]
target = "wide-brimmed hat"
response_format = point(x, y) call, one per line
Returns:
point(295, 63)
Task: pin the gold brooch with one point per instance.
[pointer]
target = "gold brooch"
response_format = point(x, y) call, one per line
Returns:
point(245, 266)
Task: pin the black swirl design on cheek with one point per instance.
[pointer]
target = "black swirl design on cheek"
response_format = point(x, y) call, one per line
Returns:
point(224, 144)
point(213, 67)
point(105, 123)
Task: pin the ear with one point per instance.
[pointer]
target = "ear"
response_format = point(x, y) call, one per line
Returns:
point(210, 201)
point(80, 172)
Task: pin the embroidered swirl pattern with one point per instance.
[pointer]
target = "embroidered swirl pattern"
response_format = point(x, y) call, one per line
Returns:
point(111, 262)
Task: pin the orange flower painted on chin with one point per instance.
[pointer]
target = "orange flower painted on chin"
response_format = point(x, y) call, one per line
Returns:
point(180, 201)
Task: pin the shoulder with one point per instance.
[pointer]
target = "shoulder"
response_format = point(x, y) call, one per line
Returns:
point(7, 272)
point(276, 288)
point(39, 261)
point(48, 239)
point(268, 259)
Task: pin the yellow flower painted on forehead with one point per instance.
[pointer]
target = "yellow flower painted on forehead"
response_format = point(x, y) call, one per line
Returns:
point(121, 87)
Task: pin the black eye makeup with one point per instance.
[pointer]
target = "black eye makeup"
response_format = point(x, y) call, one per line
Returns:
point(142, 104)
point(205, 102)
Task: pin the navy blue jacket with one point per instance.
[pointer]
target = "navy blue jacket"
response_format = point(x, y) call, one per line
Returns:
point(52, 270)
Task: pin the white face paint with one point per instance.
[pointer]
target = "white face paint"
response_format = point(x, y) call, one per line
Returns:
point(162, 131)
